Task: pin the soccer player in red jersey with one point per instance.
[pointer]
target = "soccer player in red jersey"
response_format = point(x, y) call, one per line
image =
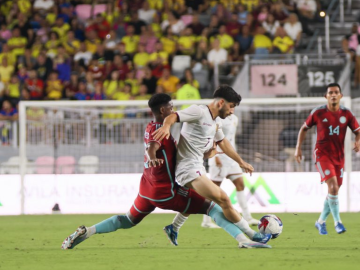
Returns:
point(159, 189)
point(331, 122)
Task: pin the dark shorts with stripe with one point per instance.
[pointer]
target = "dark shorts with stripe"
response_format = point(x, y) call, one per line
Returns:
point(184, 201)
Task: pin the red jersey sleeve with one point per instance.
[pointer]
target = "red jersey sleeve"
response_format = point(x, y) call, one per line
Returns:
point(353, 123)
point(149, 137)
point(311, 120)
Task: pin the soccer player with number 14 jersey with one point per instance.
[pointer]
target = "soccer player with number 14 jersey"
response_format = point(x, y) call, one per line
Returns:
point(331, 123)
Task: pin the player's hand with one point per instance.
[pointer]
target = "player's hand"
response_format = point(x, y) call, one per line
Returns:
point(155, 162)
point(161, 133)
point(248, 168)
point(357, 147)
point(212, 152)
point(298, 155)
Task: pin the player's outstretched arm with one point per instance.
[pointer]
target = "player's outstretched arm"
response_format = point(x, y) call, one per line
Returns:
point(301, 137)
point(153, 161)
point(164, 131)
point(357, 142)
point(229, 150)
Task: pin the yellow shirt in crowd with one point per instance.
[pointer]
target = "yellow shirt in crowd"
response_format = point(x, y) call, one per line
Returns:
point(169, 85)
point(131, 43)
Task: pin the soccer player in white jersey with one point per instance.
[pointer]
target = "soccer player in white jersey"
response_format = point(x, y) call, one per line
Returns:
point(222, 166)
point(199, 132)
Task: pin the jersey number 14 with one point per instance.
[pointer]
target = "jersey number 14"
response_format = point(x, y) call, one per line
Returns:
point(334, 131)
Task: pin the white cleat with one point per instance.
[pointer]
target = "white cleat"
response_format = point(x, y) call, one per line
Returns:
point(252, 244)
point(252, 221)
point(209, 225)
point(75, 238)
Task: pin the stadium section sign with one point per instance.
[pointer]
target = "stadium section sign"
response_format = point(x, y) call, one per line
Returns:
point(274, 80)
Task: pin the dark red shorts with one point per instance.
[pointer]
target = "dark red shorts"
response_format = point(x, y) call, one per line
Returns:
point(328, 169)
point(184, 201)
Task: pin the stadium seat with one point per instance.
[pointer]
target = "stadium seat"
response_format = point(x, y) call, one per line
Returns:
point(180, 63)
point(65, 165)
point(88, 164)
point(187, 19)
point(44, 165)
point(11, 166)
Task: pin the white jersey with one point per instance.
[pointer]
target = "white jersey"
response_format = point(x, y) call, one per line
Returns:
point(197, 135)
point(229, 126)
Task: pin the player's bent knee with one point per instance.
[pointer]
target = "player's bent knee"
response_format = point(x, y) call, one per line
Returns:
point(125, 222)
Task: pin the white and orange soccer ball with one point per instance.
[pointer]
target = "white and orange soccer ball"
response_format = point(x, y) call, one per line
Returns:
point(270, 224)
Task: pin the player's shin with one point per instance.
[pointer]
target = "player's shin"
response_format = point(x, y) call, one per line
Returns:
point(334, 207)
point(240, 195)
point(112, 224)
point(216, 213)
point(325, 212)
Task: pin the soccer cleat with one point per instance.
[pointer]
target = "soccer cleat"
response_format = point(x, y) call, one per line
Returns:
point(339, 228)
point(74, 239)
point(252, 244)
point(321, 228)
point(252, 221)
point(261, 238)
point(209, 225)
point(171, 234)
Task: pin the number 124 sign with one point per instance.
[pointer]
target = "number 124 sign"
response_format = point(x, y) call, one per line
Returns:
point(274, 80)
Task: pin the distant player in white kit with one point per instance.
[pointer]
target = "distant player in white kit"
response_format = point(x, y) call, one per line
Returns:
point(222, 166)
point(198, 134)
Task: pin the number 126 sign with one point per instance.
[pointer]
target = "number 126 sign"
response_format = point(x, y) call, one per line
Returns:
point(274, 80)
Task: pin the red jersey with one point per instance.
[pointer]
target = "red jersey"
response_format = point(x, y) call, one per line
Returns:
point(331, 129)
point(158, 183)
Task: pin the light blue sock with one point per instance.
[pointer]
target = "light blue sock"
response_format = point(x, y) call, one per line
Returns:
point(114, 223)
point(334, 207)
point(325, 212)
point(217, 215)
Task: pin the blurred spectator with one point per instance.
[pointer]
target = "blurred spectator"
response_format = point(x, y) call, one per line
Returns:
point(136, 23)
point(263, 14)
point(119, 27)
point(62, 65)
point(5, 70)
point(146, 13)
point(307, 8)
point(52, 45)
point(91, 41)
point(187, 91)
point(235, 53)
point(293, 29)
point(111, 12)
point(13, 90)
point(282, 43)
point(217, 55)
point(131, 79)
point(101, 55)
point(168, 81)
point(78, 28)
point(34, 86)
point(142, 57)
point(111, 85)
point(83, 56)
point(279, 12)
point(43, 5)
point(233, 27)
point(130, 40)
point(199, 58)
point(61, 28)
point(71, 44)
point(143, 93)
point(82, 94)
point(242, 14)
point(98, 94)
point(189, 78)
point(90, 82)
point(262, 44)
point(25, 27)
point(148, 38)
point(5, 33)
point(159, 56)
point(97, 70)
point(54, 87)
point(121, 51)
point(270, 25)
point(173, 20)
point(135, 5)
point(72, 87)
point(7, 112)
point(121, 67)
point(169, 41)
point(214, 25)
point(195, 5)
point(149, 80)
point(101, 26)
point(27, 60)
point(186, 42)
point(110, 42)
point(43, 66)
point(17, 43)
point(196, 26)
point(22, 74)
point(226, 41)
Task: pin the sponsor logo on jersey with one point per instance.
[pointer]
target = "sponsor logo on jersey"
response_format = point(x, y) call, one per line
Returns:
point(342, 119)
point(325, 120)
point(207, 124)
point(259, 183)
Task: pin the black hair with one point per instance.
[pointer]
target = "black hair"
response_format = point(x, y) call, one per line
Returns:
point(333, 85)
point(228, 93)
point(157, 101)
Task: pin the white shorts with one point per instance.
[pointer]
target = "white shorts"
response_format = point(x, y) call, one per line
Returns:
point(218, 174)
point(189, 174)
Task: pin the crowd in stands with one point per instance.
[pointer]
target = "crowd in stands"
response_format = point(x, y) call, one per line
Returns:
point(125, 49)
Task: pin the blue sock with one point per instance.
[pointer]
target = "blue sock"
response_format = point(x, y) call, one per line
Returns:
point(326, 211)
point(114, 223)
point(217, 215)
point(334, 207)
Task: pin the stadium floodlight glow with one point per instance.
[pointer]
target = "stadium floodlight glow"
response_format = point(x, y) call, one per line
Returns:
point(322, 14)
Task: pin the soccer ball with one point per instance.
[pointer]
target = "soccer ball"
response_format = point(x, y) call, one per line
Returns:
point(270, 224)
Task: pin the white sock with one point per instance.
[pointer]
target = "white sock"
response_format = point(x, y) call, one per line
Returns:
point(206, 219)
point(241, 238)
point(240, 195)
point(178, 221)
point(321, 221)
point(90, 231)
point(244, 226)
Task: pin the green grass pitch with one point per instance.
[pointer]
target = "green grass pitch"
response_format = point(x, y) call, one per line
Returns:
point(33, 242)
